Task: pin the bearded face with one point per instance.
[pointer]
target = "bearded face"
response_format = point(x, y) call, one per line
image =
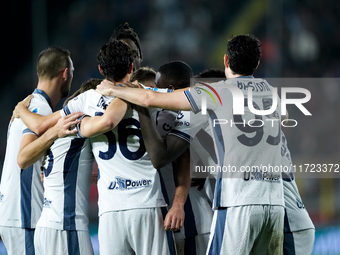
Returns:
point(66, 86)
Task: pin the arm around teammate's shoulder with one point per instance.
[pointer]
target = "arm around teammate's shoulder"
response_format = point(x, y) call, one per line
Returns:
point(146, 98)
point(32, 147)
point(93, 126)
point(35, 122)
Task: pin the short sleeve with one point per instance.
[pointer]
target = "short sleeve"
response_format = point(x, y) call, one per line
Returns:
point(202, 98)
point(181, 128)
point(39, 107)
point(74, 105)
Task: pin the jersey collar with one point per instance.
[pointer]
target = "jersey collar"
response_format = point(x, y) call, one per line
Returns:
point(43, 93)
point(249, 77)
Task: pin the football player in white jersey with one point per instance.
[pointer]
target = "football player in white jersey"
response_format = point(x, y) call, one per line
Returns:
point(21, 189)
point(130, 197)
point(198, 213)
point(63, 225)
point(67, 175)
point(174, 218)
point(299, 230)
point(248, 203)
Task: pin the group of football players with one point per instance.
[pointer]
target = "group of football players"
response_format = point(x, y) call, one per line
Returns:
point(147, 130)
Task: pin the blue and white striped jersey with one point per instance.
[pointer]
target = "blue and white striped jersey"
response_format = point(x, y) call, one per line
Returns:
point(244, 146)
point(21, 196)
point(126, 178)
point(67, 181)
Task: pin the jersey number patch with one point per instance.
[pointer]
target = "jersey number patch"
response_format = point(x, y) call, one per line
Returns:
point(124, 132)
point(257, 126)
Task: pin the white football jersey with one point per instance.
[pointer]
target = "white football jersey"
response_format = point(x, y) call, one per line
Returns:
point(296, 212)
point(126, 177)
point(21, 191)
point(67, 181)
point(248, 146)
point(198, 212)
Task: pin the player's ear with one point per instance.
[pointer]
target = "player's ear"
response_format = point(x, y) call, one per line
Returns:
point(258, 63)
point(130, 68)
point(226, 60)
point(65, 74)
point(100, 70)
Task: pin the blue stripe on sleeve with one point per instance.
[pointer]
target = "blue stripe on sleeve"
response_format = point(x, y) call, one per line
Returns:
point(181, 134)
point(78, 126)
point(28, 131)
point(66, 110)
point(192, 102)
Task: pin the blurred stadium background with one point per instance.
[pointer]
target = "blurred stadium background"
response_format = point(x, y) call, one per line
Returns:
point(299, 39)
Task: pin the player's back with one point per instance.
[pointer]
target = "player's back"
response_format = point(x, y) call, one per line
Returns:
point(127, 179)
point(67, 181)
point(247, 145)
point(11, 178)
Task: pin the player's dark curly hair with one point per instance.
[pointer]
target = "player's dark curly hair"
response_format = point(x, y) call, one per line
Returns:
point(125, 32)
point(211, 73)
point(244, 52)
point(177, 72)
point(115, 58)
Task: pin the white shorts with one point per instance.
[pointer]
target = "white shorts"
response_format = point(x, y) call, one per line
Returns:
point(60, 242)
point(253, 229)
point(136, 231)
point(196, 245)
point(18, 240)
point(299, 242)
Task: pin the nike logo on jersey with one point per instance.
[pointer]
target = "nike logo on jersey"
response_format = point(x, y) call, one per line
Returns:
point(1, 197)
point(126, 184)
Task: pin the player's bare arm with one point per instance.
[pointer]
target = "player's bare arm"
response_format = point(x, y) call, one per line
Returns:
point(174, 219)
point(33, 148)
point(35, 122)
point(160, 152)
point(93, 126)
point(146, 98)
